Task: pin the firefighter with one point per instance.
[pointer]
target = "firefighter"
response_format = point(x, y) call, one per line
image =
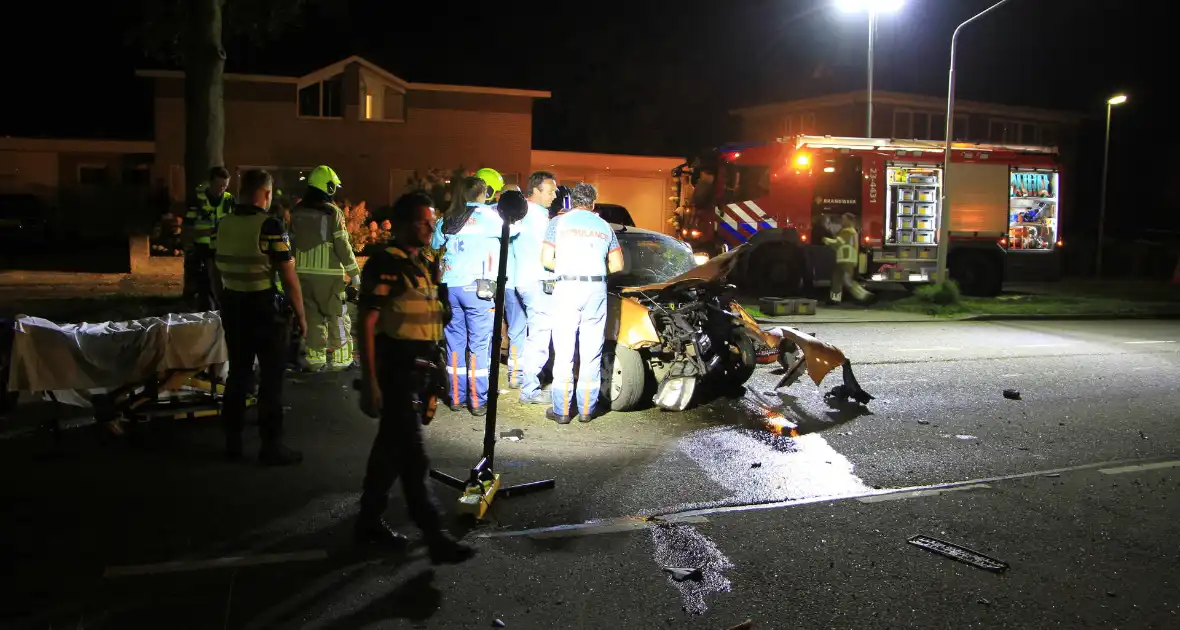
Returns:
point(251, 249)
point(213, 203)
point(580, 249)
point(323, 260)
point(847, 246)
point(470, 238)
point(530, 280)
point(401, 326)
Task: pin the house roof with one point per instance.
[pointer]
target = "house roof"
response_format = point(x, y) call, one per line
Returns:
point(339, 66)
point(902, 99)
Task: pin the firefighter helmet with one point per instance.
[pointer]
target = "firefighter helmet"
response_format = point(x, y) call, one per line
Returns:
point(324, 179)
point(493, 179)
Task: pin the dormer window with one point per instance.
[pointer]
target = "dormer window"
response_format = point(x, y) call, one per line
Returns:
point(381, 100)
point(322, 99)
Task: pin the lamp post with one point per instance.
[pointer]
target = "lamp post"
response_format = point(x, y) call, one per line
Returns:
point(1110, 103)
point(873, 8)
point(944, 222)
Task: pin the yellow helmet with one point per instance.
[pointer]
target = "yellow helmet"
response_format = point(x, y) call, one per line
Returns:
point(493, 179)
point(323, 178)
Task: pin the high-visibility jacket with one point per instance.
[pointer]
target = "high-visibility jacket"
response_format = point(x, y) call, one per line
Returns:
point(206, 216)
point(414, 313)
point(847, 246)
point(240, 259)
point(320, 241)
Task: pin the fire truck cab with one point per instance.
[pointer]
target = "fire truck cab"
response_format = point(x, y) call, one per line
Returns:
point(1004, 203)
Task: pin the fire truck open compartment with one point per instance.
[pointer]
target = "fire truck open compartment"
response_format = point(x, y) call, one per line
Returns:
point(1032, 210)
point(913, 209)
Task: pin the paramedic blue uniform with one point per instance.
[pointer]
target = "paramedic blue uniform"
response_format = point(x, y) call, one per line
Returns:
point(471, 254)
point(581, 240)
point(536, 333)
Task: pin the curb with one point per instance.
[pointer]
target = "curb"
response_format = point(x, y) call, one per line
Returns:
point(997, 317)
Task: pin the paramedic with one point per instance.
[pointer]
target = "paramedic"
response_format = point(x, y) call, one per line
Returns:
point(580, 249)
point(251, 248)
point(213, 204)
point(530, 277)
point(323, 259)
point(401, 327)
point(469, 234)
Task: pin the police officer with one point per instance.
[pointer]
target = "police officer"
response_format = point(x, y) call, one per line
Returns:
point(401, 324)
point(581, 249)
point(470, 238)
point(251, 249)
point(323, 258)
point(529, 294)
point(213, 204)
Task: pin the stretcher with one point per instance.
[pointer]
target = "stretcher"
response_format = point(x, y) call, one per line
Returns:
point(172, 366)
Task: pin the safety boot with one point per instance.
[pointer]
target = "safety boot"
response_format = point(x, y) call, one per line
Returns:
point(552, 415)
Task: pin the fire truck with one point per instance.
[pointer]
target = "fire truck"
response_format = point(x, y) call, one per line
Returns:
point(1004, 206)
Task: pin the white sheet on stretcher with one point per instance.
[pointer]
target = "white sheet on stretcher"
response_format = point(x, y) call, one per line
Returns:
point(74, 359)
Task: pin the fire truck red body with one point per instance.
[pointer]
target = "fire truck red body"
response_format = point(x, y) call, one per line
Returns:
point(1004, 205)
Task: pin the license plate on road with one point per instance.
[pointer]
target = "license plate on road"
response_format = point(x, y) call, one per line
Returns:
point(962, 554)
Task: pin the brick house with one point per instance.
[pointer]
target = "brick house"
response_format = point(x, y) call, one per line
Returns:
point(910, 116)
point(372, 127)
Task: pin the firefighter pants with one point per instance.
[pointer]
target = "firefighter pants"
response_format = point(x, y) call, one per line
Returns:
point(202, 282)
point(255, 327)
point(516, 315)
point(399, 450)
point(844, 275)
point(535, 352)
point(328, 324)
point(579, 317)
point(469, 340)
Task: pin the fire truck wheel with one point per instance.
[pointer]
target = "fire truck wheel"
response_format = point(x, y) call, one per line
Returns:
point(977, 274)
point(624, 377)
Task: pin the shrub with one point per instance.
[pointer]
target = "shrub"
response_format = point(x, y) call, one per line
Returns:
point(942, 294)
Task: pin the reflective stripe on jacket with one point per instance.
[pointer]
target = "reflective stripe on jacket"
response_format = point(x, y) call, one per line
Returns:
point(240, 259)
point(415, 313)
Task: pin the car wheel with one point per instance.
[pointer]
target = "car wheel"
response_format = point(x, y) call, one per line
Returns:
point(744, 369)
point(624, 377)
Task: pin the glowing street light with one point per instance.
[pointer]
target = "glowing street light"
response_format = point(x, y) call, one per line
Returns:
point(873, 8)
point(1118, 99)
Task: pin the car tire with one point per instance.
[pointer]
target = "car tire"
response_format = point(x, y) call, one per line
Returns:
point(741, 373)
point(624, 377)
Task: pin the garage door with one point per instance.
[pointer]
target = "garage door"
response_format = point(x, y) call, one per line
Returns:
point(644, 197)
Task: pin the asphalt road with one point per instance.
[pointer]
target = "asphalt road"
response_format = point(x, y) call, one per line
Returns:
point(1074, 486)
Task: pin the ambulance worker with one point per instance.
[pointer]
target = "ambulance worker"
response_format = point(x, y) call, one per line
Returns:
point(530, 294)
point(469, 234)
point(580, 249)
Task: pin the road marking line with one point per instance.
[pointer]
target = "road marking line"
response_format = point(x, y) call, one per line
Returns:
point(215, 563)
point(935, 348)
point(1139, 343)
point(1139, 468)
point(900, 496)
point(607, 526)
point(1012, 375)
point(1042, 345)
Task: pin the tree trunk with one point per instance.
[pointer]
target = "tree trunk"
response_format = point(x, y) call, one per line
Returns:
point(204, 106)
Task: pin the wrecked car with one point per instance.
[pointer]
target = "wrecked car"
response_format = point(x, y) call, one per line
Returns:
point(674, 325)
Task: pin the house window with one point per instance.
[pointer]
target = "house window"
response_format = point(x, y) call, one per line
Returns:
point(938, 127)
point(1049, 135)
point(395, 105)
point(139, 176)
point(324, 99)
point(93, 175)
point(807, 122)
point(902, 123)
point(1028, 134)
point(790, 126)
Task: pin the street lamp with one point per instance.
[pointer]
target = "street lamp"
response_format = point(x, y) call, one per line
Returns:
point(1110, 103)
point(944, 222)
point(873, 8)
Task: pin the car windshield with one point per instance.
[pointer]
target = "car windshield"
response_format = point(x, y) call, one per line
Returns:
point(651, 258)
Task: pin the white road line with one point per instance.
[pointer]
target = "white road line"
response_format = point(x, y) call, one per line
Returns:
point(214, 563)
point(934, 349)
point(1139, 468)
point(900, 496)
point(606, 526)
point(1014, 374)
point(1140, 343)
point(1042, 345)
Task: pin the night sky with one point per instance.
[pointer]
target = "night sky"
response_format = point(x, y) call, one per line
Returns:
point(653, 77)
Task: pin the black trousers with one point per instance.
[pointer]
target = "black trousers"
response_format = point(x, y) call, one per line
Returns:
point(255, 327)
point(202, 282)
point(399, 449)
